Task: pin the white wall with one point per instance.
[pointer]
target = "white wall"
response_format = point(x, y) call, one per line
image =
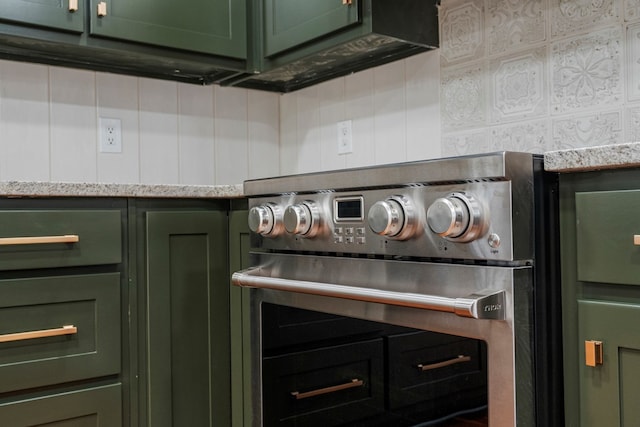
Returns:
point(530, 75)
point(394, 111)
point(172, 133)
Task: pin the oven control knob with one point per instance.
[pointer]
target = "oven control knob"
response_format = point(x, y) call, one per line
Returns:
point(457, 217)
point(393, 217)
point(266, 220)
point(303, 219)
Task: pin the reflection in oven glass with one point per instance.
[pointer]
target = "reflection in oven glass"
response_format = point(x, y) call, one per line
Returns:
point(326, 370)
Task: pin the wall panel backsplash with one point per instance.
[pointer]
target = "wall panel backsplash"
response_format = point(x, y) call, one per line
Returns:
point(172, 133)
point(530, 75)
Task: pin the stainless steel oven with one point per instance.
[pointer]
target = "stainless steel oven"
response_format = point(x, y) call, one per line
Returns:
point(458, 246)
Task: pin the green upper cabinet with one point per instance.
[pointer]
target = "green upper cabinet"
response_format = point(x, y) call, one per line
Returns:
point(300, 43)
point(289, 23)
point(56, 14)
point(206, 26)
point(275, 45)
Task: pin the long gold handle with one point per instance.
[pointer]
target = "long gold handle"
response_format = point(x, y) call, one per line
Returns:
point(73, 5)
point(67, 238)
point(353, 383)
point(593, 353)
point(21, 336)
point(460, 359)
point(636, 239)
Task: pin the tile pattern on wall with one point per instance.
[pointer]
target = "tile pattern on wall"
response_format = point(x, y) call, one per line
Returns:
point(633, 123)
point(463, 97)
point(519, 88)
point(586, 71)
point(172, 133)
point(633, 62)
point(462, 31)
point(514, 24)
point(572, 16)
point(557, 74)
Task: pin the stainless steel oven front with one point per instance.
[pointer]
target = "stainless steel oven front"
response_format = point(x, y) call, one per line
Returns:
point(446, 246)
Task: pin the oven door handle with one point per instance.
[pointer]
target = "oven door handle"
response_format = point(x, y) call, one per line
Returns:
point(480, 305)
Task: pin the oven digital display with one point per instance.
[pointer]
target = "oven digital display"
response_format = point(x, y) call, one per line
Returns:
point(348, 209)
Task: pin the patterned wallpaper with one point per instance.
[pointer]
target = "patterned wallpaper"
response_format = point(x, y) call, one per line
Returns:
point(538, 75)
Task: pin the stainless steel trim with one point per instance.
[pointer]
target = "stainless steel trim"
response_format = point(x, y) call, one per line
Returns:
point(480, 305)
point(502, 165)
point(505, 338)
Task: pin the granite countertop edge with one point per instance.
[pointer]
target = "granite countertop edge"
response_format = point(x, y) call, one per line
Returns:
point(601, 157)
point(77, 189)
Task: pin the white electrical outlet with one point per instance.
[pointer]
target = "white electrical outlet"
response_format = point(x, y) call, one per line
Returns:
point(110, 135)
point(345, 140)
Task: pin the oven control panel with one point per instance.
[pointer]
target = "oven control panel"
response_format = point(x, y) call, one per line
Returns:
point(466, 221)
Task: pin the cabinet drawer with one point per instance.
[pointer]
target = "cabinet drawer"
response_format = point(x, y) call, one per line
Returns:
point(606, 223)
point(98, 231)
point(99, 406)
point(425, 366)
point(91, 303)
point(348, 379)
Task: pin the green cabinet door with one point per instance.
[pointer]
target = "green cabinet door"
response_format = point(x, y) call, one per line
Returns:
point(46, 13)
point(240, 330)
point(289, 23)
point(207, 26)
point(187, 294)
point(609, 392)
point(606, 223)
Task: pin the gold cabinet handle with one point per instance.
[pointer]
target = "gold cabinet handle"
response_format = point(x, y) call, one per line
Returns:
point(460, 359)
point(353, 383)
point(73, 5)
point(21, 336)
point(102, 9)
point(593, 353)
point(636, 239)
point(36, 240)
point(347, 1)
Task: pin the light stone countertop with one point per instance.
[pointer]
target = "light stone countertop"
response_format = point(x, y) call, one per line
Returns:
point(593, 158)
point(77, 189)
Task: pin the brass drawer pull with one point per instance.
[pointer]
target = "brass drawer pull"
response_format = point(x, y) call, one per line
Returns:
point(636, 239)
point(353, 383)
point(67, 238)
point(460, 359)
point(21, 336)
point(102, 9)
point(73, 5)
point(593, 353)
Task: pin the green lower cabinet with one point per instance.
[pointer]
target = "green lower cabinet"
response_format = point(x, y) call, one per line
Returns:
point(600, 296)
point(93, 407)
point(186, 357)
point(609, 391)
point(240, 331)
